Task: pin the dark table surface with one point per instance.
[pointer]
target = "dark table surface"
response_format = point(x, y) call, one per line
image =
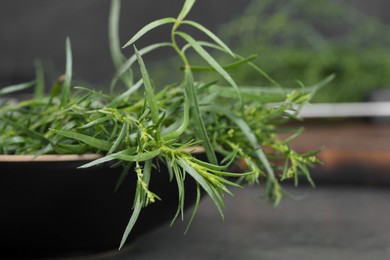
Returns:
point(329, 222)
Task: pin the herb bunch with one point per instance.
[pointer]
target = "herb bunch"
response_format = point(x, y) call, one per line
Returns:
point(141, 126)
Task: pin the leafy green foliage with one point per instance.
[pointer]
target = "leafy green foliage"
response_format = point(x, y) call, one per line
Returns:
point(310, 40)
point(142, 126)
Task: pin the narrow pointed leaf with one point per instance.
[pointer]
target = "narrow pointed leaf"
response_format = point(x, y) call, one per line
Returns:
point(117, 56)
point(96, 121)
point(89, 140)
point(133, 219)
point(197, 117)
point(119, 140)
point(126, 66)
point(122, 177)
point(209, 33)
point(40, 80)
point(149, 91)
point(253, 93)
point(210, 60)
point(186, 118)
point(106, 158)
point(140, 202)
point(227, 66)
point(122, 97)
point(185, 10)
point(138, 157)
point(149, 27)
point(115, 47)
point(195, 208)
point(68, 74)
point(202, 182)
point(15, 88)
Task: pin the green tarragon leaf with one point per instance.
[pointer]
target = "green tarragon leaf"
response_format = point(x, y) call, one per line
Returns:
point(147, 28)
point(89, 140)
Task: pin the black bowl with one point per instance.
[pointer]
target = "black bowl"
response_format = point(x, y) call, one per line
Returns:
point(49, 208)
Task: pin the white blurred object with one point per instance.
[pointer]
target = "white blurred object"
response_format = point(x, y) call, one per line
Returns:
point(364, 109)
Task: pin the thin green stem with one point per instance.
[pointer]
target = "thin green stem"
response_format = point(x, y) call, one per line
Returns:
point(192, 97)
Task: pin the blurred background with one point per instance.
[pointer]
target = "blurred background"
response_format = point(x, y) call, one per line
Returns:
point(295, 40)
point(37, 31)
point(309, 40)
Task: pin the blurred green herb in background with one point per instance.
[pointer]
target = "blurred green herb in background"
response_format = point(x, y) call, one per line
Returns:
point(310, 40)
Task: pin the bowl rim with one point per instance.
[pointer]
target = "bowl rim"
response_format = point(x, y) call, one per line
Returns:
point(49, 157)
point(69, 157)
